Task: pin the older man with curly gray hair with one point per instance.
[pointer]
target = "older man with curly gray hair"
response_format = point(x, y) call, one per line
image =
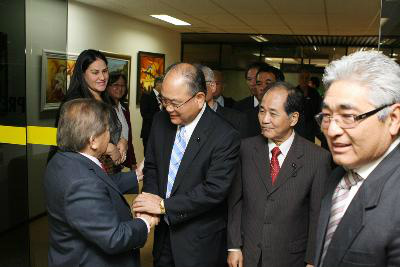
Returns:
point(359, 219)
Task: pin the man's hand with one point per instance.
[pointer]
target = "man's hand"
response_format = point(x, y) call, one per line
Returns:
point(150, 219)
point(235, 259)
point(147, 203)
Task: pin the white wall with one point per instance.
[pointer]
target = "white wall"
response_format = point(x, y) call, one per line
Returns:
point(90, 27)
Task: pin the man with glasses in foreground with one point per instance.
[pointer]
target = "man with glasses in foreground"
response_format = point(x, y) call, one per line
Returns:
point(190, 164)
point(359, 221)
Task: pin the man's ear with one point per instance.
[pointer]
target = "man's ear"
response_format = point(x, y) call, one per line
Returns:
point(93, 144)
point(294, 118)
point(394, 117)
point(200, 99)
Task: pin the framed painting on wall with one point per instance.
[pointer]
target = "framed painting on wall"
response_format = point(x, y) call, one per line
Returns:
point(120, 63)
point(57, 68)
point(150, 66)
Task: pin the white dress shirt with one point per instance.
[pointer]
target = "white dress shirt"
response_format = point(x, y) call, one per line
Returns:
point(220, 100)
point(284, 148)
point(189, 128)
point(256, 103)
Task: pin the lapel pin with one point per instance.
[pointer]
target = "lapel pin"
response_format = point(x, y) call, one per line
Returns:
point(198, 139)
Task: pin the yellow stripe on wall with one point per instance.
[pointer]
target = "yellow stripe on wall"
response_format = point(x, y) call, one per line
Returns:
point(13, 135)
point(42, 135)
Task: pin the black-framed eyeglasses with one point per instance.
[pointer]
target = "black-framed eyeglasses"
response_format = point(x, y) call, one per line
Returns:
point(345, 121)
point(166, 102)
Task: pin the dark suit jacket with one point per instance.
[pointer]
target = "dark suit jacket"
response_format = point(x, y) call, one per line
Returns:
point(130, 154)
point(90, 223)
point(229, 102)
point(277, 221)
point(245, 104)
point(369, 232)
point(197, 207)
point(148, 107)
point(237, 119)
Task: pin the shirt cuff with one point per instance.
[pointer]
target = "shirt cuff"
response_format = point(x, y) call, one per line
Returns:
point(234, 249)
point(147, 224)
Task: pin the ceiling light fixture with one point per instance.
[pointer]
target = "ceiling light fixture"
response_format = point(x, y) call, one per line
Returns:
point(171, 20)
point(259, 38)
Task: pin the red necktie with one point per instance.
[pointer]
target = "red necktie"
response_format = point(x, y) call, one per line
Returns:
point(274, 164)
point(103, 167)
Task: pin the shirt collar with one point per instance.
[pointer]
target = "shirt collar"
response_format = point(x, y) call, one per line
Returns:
point(94, 159)
point(284, 147)
point(256, 103)
point(156, 92)
point(189, 128)
point(365, 170)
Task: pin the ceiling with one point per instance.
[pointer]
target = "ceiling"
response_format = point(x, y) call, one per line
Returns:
point(284, 17)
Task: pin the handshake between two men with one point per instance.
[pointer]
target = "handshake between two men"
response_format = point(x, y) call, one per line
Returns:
point(148, 207)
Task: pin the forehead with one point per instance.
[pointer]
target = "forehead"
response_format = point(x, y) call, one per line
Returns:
point(97, 64)
point(174, 86)
point(346, 95)
point(274, 99)
point(252, 72)
point(263, 76)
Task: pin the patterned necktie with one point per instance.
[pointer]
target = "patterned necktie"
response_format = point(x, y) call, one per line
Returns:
point(340, 195)
point(274, 164)
point(176, 156)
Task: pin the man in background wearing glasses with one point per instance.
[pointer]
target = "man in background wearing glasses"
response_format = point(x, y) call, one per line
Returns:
point(359, 221)
point(190, 164)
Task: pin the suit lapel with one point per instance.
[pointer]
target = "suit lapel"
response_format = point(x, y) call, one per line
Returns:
point(261, 160)
point(197, 140)
point(291, 164)
point(364, 201)
point(98, 171)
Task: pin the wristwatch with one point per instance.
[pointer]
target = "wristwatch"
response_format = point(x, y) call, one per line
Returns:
point(162, 207)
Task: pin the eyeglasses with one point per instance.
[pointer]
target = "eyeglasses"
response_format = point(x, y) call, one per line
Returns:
point(345, 121)
point(166, 102)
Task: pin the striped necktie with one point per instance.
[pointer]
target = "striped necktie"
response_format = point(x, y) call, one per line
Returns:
point(338, 209)
point(176, 156)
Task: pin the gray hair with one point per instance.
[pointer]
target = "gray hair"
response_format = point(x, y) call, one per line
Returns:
point(81, 119)
point(208, 74)
point(371, 69)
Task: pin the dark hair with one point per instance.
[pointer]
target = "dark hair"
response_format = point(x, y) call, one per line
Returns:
point(275, 71)
point(254, 65)
point(316, 81)
point(294, 100)
point(193, 75)
point(79, 120)
point(78, 87)
point(113, 78)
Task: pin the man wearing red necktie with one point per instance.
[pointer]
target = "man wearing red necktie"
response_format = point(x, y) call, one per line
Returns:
point(275, 199)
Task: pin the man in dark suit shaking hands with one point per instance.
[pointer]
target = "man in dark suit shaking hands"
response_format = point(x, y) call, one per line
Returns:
point(275, 200)
point(89, 220)
point(359, 223)
point(190, 164)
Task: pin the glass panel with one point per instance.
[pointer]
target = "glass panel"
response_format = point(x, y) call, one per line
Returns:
point(46, 29)
point(14, 230)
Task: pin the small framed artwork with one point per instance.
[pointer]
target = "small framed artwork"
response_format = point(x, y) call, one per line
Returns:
point(150, 66)
point(119, 63)
point(57, 68)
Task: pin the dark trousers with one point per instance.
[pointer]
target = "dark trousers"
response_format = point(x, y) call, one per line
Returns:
point(166, 258)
